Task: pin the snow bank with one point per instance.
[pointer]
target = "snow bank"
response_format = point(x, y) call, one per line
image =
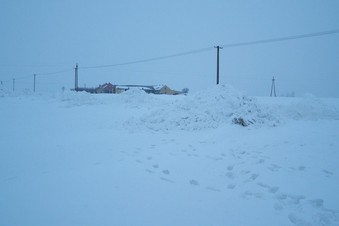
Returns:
point(207, 109)
point(306, 108)
point(71, 99)
point(137, 97)
point(312, 108)
point(222, 105)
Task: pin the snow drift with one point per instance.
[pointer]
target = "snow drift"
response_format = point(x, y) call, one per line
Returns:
point(222, 105)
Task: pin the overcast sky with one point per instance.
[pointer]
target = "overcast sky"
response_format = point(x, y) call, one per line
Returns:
point(41, 36)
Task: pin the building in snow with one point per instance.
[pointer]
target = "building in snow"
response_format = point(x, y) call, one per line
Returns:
point(116, 89)
point(166, 90)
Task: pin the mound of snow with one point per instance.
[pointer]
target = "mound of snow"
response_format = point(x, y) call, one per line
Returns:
point(206, 109)
point(71, 99)
point(312, 108)
point(136, 96)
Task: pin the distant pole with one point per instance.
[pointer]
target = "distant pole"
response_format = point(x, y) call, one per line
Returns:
point(13, 84)
point(273, 87)
point(76, 77)
point(218, 48)
point(34, 83)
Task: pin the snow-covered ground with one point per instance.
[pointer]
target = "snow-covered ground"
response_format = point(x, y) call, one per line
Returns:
point(138, 159)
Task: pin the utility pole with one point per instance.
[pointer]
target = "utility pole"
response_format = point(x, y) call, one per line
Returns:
point(13, 84)
point(76, 77)
point(273, 87)
point(218, 48)
point(34, 83)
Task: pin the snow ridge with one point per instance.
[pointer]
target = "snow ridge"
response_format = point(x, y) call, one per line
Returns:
point(208, 109)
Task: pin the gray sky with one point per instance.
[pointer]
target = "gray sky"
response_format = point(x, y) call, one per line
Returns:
point(40, 36)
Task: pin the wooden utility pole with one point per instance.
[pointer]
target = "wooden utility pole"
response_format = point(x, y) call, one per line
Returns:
point(273, 87)
point(218, 48)
point(34, 83)
point(76, 77)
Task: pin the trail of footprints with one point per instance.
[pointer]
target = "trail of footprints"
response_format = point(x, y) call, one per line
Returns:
point(238, 178)
point(231, 175)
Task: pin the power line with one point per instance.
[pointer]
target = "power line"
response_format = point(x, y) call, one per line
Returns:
point(286, 38)
point(152, 59)
point(40, 74)
point(56, 72)
point(22, 77)
point(232, 45)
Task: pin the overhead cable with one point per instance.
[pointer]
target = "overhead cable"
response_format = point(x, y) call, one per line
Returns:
point(232, 45)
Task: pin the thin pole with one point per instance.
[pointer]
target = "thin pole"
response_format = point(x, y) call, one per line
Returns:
point(76, 77)
point(218, 48)
point(13, 84)
point(273, 87)
point(34, 83)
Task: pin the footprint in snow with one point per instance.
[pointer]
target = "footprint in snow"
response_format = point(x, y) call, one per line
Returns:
point(328, 173)
point(155, 166)
point(230, 168)
point(301, 168)
point(166, 180)
point(244, 172)
point(231, 186)
point(260, 161)
point(149, 171)
point(263, 185)
point(281, 196)
point(292, 218)
point(269, 188)
point(274, 167)
point(290, 199)
point(253, 177)
point(295, 199)
point(273, 189)
point(296, 220)
point(213, 189)
point(194, 182)
point(167, 172)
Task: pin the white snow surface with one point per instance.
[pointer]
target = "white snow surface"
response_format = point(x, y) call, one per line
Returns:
point(144, 159)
